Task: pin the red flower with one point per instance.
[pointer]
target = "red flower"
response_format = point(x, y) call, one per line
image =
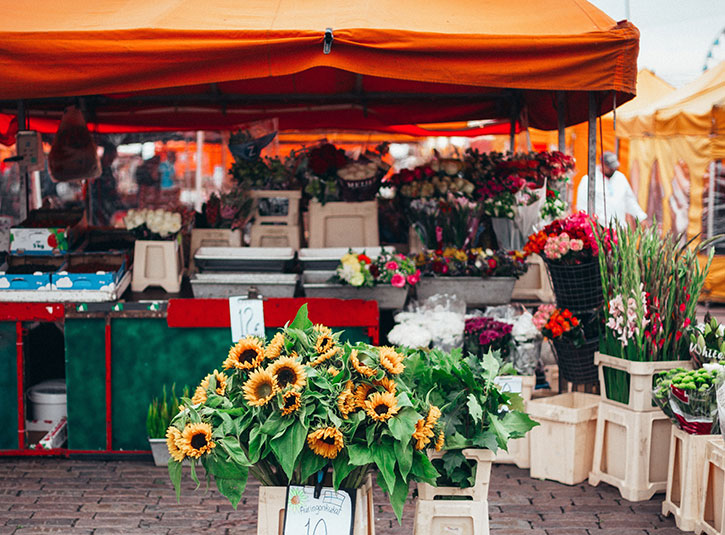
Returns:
point(492, 263)
point(682, 307)
point(364, 258)
point(678, 335)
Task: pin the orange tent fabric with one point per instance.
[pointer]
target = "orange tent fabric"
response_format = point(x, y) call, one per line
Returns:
point(224, 63)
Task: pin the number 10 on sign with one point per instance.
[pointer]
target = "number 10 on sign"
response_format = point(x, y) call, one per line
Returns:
point(246, 317)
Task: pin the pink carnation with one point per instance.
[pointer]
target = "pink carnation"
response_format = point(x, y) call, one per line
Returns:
point(392, 265)
point(413, 279)
point(398, 280)
point(576, 245)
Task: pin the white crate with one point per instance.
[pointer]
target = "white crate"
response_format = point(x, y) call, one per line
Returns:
point(535, 283)
point(519, 450)
point(212, 237)
point(292, 218)
point(157, 263)
point(563, 442)
point(711, 518)
point(640, 382)
point(685, 492)
point(631, 451)
point(344, 224)
point(276, 236)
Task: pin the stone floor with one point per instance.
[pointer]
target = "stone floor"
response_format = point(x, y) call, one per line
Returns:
point(44, 495)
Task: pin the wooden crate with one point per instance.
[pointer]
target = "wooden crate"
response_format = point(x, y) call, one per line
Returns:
point(535, 283)
point(212, 237)
point(631, 451)
point(157, 263)
point(343, 224)
point(711, 518)
point(519, 450)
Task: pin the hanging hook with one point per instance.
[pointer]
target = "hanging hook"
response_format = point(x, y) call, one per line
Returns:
point(327, 42)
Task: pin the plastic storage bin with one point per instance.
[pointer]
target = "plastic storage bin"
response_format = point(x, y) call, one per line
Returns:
point(48, 400)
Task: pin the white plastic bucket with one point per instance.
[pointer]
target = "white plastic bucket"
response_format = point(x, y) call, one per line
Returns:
point(48, 400)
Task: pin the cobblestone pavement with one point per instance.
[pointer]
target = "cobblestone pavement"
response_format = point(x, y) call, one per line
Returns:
point(44, 495)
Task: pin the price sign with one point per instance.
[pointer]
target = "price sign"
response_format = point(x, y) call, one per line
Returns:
point(247, 317)
point(330, 514)
point(510, 383)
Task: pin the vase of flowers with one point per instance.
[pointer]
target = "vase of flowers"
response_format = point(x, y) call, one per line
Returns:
point(570, 250)
point(160, 413)
point(302, 404)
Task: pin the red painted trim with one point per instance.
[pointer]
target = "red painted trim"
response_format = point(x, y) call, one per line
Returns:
point(31, 311)
point(66, 452)
point(190, 313)
point(109, 397)
point(21, 387)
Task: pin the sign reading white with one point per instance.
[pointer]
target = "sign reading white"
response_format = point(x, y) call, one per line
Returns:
point(510, 383)
point(330, 514)
point(247, 317)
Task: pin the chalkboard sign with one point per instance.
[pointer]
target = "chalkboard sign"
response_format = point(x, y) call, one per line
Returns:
point(330, 514)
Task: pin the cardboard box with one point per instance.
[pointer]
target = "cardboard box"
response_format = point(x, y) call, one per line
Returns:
point(46, 232)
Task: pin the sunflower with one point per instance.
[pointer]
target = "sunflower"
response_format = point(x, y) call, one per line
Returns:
point(434, 414)
point(199, 395)
point(391, 360)
point(361, 394)
point(200, 392)
point(195, 440)
point(274, 348)
point(246, 354)
point(382, 406)
point(422, 434)
point(359, 366)
point(326, 442)
point(346, 403)
point(321, 329)
point(290, 402)
point(333, 371)
point(388, 384)
point(288, 372)
point(324, 343)
point(260, 388)
point(441, 440)
point(172, 436)
point(325, 356)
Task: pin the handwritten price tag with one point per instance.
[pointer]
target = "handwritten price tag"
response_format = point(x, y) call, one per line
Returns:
point(330, 514)
point(247, 317)
point(510, 383)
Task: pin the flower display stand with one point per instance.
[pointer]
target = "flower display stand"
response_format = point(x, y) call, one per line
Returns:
point(467, 515)
point(685, 493)
point(157, 263)
point(640, 376)
point(535, 283)
point(344, 224)
point(567, 425)
point(212, 237)
point(576, 287)
point(476, 291)
point(711, 517)
point(276, 236)
point(276, 219)
point(388, 297)
point(519, 450)
point(631, 451)
point(271, 507)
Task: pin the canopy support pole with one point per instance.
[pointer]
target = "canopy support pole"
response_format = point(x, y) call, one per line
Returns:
point(23, 170)
point(711, 201)
point(592, 153)
point(198, 177)
point(512, 123)
point(561, 118)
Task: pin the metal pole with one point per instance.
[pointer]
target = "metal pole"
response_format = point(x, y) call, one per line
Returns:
point(22, 169)
point(592, 154)
point(711, 201)
point(561, 117)
point(198, 178)
point(512, 133)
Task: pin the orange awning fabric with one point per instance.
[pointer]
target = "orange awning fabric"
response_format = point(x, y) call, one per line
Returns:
point(219, 63)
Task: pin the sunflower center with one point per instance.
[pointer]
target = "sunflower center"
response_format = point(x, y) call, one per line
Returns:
point(248, 355)
point(381, 409)
point(198, 441)
point(264, 390)
point(329, 440)
point(286, 376)
point(290, 401)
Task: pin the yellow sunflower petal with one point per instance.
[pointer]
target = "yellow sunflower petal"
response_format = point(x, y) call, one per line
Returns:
point(274, 348)
point(246, 354)
point(195, 440)
point(172, 436)
point(291, 402)
point(260, 388)
point(381, 406)
point(325, 356)
point(441, 440)
point(326, 442)
point(391, 360)
point(359, 366)
point(288, 372)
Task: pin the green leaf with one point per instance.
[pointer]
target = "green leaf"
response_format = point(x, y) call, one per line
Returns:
point(457, 441)
point(453, 459)
point(175, 476)
point(341, 468)
point(256, 443)
point(398, 497)
point(422, 468)
point(310, 463)
point(518, 423)
point(301, 320)
point(385, 460)
point(515, 401)
point(236, 454)
point(231, 488)
point(402, 425)
point(359, 455)
point(218, 464)
point(404, 455)
point(404, 400)
point(485, 439)
point(288, 446)
point(499, 429)
point(474, 409)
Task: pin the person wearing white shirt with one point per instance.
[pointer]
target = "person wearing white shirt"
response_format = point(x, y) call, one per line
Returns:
point(614, 187)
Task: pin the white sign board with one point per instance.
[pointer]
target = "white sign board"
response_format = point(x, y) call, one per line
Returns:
point(330, 514)
point(510, 383)
point(246, 317)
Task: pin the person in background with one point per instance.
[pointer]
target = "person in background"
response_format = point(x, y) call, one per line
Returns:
point(149, 183)
point(105, 198)
point(613, 186)
point(166, 170)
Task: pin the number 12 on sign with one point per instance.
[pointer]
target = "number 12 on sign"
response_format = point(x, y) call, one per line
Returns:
point(246, 317)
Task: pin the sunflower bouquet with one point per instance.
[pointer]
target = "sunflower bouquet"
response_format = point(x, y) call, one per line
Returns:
point(302, 404)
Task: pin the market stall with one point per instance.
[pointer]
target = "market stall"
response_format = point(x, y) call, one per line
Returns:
point(216, 66)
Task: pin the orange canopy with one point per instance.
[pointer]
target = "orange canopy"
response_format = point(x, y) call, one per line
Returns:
point(221, 63)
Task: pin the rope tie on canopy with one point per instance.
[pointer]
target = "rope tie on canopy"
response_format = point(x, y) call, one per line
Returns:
point(327, 41)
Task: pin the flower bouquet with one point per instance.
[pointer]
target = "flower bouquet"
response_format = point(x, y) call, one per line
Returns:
point(388, 268)
point(438, 321)
point(483, 335)
point(475, 412)
point(229, 210)
point(252, 171)
point(689, 398)
point(146, 224)
point(707, 342)
point(302, 404)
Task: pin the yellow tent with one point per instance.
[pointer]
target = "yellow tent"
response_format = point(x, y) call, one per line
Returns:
point(675, 144)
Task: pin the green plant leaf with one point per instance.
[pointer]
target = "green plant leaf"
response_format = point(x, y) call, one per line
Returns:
point(301, 320)
point(236, 454)
point(385, 460)
point(398, 497)
point(175, 476)
point(341, 468)
point(402, 425)
point(231, 488)
point(485, 439)
point(474, 409)
point(422, 468)
point(404, 401)
point(310, 463)
point(256, 443)
point(453, 459)
point(518, 423)
point(500, 430)
point(404, 455)
point(359, 455)
point(288, 446)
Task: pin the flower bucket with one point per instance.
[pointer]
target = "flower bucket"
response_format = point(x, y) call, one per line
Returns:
point(507, 234)
point(160, 451)
point(576, 364)
point(576, 287)
point(476, 291)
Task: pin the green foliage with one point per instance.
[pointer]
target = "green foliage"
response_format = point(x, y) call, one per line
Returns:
point(161, 411)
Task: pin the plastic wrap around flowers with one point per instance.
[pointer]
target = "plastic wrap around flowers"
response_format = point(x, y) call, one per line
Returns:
point(388, 268)
point(285, 409)
point(153, 224)
point(566, 241)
